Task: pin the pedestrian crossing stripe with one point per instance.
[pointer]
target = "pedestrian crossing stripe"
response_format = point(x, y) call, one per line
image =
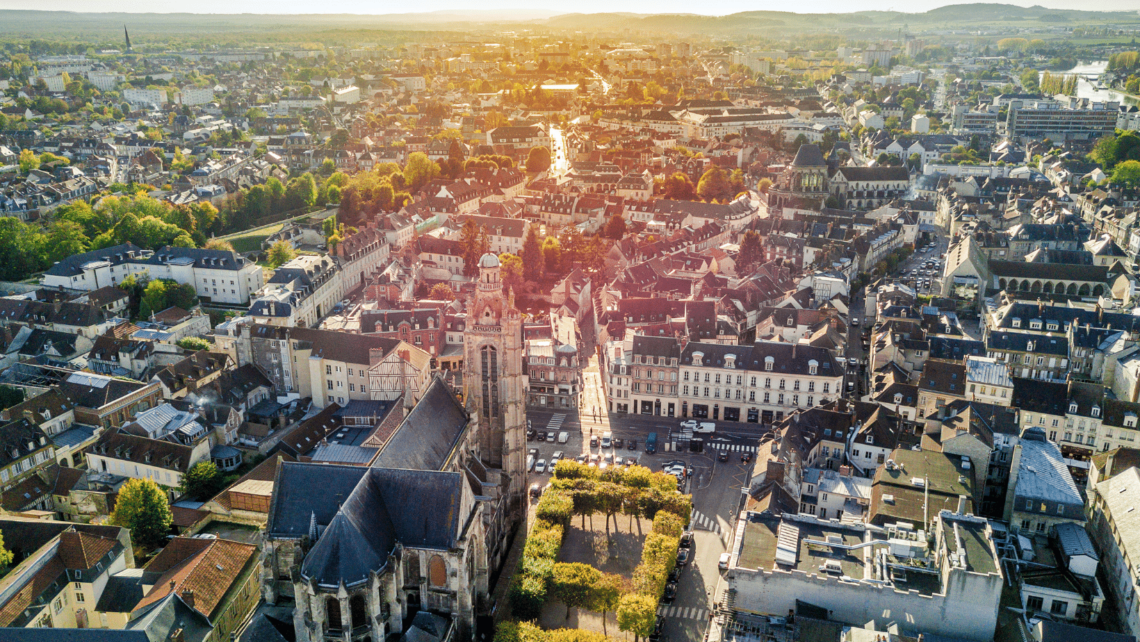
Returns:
point(556, 421)
point(736, 448)
point(705, 522)
point(682, 612)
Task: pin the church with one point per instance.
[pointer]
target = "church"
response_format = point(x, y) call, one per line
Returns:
point(410, 546)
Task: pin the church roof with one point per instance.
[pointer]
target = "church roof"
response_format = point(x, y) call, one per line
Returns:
point(809, 156)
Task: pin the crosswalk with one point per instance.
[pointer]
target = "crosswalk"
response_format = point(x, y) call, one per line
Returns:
point(705, 522)
point(556, 421)
point(734, 448)
point(683, 612)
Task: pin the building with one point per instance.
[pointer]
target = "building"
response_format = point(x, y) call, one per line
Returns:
point(1043, 491)
point(1115, 528)
point(493, 377)
point(145, 96)
point(924, 580)
point(193, 96)
point(300, 293)
point(218, 276)
point(1077, 120)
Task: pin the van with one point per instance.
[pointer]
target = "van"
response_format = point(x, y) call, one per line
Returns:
point(651, 443)
point(563, 437)
point(705, 426)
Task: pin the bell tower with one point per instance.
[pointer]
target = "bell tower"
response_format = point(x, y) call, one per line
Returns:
point(493, 376)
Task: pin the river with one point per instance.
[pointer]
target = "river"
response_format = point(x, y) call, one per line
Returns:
point(1086, 89)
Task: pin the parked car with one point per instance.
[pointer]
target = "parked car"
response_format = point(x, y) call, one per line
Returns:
point(533, 452)
point(607, 440)
point(581, 459)
point(745, 457)
point(618, 443)
point(722, 455)
point(632, 445)
point(670, 593)
point(563, 437)
point(683, 557)
point(723, 563)
point(674, 574)
point(687, 539)
point(690, 424)
point(540, 466)
point(530, 435)
point(536, 490)
point(530, 462)
point(542, 435)
point(555, 459)
point(593, 441)
point(551, 436)
point(705, 427)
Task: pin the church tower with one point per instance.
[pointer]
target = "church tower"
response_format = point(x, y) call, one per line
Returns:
point(493, 377)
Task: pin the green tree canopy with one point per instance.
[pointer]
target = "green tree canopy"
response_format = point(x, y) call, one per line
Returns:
point(202, 481)
point(280, 253)
point(144, 509)
point(538, 160)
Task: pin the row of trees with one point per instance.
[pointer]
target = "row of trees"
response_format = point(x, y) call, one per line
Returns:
point(578, 490)
point(715, 185)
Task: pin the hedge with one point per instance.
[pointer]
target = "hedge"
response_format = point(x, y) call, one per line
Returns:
point(528, 632)
point(582, 490)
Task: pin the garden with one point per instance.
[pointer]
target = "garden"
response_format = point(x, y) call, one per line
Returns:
point(549, 578)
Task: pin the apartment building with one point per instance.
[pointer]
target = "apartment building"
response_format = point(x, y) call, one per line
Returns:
point(1077, 120)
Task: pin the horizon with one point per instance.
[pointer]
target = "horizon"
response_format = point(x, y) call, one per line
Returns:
point(538, 12)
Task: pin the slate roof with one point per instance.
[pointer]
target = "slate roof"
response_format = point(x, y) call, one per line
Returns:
point(1042, 473)
point(117, 254)
point(955, 349)
point(429, 434)
point(363, 531)
point(1020, 342)
point(809, 156)
point(122, 593)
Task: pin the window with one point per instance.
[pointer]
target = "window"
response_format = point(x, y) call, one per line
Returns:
point(1059, 607)
point(686, 390)
point(826, 387)
point(1034, 603)
point(685, 377)
point(329, 382)
point(767, 382)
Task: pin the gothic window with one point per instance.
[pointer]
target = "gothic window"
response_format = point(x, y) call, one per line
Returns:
point(490, 372)
point(332, 613)
point(359, 612)
point(437, 571)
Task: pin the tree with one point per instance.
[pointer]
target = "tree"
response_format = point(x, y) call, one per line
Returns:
point(328, 166)
point(153, 299)
point(219, 244)
point(532, 259)
point(473, 239)
point(143, 508)
point(301, 192)
point(751, 253)
point(202, 481)
point(615, 228)
point(764, 185)
point(64, 239)
point(511, 271)
point(28, 161)
point(1127, 172)
point(193, 343)
point(419, 171)
point(441, 292)
point(714, 185)
point(538, 160)
point(552, 254)
point(605, 595)
point(637, 614)
point(678, 187)
point(572, 584)
point(280, 254)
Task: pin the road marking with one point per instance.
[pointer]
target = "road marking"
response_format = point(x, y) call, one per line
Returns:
point(705, 522)
point(684, 613)
point(556, 421)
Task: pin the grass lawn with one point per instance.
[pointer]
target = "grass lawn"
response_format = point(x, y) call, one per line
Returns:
point(250, 240)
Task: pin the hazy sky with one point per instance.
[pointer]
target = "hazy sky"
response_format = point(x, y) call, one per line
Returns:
point(587, 6)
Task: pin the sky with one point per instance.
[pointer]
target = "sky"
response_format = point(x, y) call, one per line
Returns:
point(722, 7)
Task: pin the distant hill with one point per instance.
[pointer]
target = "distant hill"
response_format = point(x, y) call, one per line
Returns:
point(96, 25)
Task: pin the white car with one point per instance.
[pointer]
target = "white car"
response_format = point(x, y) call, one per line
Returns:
point(723, 563)
point(540, 466)
point(690, 424)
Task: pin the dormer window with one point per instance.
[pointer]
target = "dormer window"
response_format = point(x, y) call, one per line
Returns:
point(729, 361)
point(1029, 346)
point(697, 357)
point(1016, 322)
point(1035, 324)
point(870, 439)
point(813, 367)
point(769, 362)
point(1130, 420)
point(898, 397)
point(1073, 408)
point(1051, 326)
point(1096, 411)
point(791, 322)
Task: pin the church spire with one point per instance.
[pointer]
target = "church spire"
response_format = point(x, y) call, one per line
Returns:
point(127, 36)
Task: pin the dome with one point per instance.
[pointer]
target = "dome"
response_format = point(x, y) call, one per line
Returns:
point(489, 261)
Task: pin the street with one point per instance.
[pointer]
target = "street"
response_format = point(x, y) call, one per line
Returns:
point(714, 485)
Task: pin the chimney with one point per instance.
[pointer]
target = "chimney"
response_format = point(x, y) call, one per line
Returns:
point(177, 636)
point(188, 597)
point(961, 504)
point(844, 471)
point(29, 415)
